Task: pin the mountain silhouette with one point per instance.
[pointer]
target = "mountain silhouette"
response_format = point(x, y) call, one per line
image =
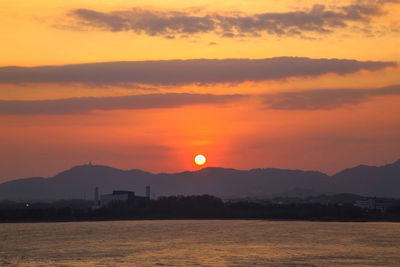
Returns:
point(370, 180)
point(80, 181)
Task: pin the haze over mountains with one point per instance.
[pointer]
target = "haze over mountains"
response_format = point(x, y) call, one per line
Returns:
point(80, 181)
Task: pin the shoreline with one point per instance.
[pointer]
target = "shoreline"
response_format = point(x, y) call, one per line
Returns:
point(198, 219)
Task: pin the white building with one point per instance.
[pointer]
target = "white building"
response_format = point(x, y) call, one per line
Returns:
point(372, 204)
point(118, 196)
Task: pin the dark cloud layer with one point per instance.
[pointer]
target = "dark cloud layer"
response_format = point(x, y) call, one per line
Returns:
point(324, 98)
point(88, 104)
point(178, 72)
point(318, 19)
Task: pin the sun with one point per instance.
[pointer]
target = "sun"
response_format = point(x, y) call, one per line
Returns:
point(200, 160)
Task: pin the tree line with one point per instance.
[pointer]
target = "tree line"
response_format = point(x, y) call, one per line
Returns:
point(190, 207)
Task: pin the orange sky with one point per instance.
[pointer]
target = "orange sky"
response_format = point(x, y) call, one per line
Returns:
point(321, 114)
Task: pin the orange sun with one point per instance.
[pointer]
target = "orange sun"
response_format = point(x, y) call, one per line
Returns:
point(200, 160)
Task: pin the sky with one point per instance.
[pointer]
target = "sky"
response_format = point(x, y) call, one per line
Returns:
point(298, 84)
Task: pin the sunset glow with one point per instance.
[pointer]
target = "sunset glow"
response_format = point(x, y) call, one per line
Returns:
point(299, 85)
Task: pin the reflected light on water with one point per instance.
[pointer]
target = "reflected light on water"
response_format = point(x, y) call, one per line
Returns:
point(185, 243)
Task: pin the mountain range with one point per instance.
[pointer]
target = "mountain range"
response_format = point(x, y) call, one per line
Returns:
point(79, 182)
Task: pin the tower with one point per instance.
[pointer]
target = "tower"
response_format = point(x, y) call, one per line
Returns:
point(96, 196)
point(148, 192)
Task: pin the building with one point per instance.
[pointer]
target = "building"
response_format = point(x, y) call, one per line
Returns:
point(366, 203)
point(372, 204)
point(118, 196)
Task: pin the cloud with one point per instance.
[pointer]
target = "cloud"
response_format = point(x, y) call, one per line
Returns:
point(317, 19)
point(179, 72)
point(324, 99)
point(88, 104)
point(142, 20)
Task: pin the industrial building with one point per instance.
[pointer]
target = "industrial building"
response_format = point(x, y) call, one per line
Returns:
point(118, 196)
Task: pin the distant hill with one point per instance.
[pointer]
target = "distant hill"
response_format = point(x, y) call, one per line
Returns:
point(80, 181)
point(370, 180)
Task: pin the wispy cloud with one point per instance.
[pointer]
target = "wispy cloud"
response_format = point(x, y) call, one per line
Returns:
point(170, 24)
point(88, 104)
point(324, 99)
point(179, 72)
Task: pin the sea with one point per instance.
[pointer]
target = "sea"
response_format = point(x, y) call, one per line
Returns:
point(200, 243)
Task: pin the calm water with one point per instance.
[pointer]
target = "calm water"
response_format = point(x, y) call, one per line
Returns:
point(204, 243)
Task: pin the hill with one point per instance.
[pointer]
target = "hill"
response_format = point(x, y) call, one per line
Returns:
point(79, 182)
